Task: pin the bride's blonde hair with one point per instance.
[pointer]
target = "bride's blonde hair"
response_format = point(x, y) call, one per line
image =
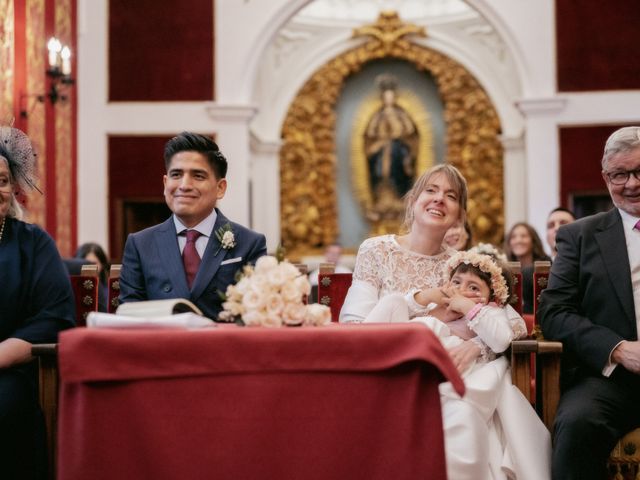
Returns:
point(455, 178)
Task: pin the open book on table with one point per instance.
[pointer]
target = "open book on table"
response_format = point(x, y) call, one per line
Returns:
point(172, 313)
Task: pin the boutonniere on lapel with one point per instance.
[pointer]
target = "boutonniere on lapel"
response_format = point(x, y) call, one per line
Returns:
point(226, 237)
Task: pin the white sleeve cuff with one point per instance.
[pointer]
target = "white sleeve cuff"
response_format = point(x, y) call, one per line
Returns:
point(611, 365)
point(416, 309)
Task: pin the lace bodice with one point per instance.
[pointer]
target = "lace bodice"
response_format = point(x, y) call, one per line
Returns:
point(390, 268)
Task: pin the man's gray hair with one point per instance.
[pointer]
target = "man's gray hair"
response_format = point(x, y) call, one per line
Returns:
point(620, 141)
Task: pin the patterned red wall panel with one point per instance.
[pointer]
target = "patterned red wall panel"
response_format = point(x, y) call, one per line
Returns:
point(161, 51)
point(598, 44)
point(580, 153)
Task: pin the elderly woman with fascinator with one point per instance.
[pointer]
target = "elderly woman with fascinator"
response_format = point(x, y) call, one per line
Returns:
point(36, 302)
point(480, 427)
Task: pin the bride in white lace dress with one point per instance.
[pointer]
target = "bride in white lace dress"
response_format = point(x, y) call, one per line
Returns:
point(492, 432)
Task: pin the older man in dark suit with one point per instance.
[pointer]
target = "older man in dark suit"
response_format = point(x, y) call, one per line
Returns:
point(592, 305)
point(197, 252)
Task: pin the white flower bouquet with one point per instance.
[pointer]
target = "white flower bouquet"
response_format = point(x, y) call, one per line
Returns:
point(271, 295)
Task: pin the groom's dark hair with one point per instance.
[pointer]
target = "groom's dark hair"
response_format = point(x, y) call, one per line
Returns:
point(194, 142)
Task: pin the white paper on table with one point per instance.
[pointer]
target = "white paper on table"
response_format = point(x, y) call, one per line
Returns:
point(180, 320)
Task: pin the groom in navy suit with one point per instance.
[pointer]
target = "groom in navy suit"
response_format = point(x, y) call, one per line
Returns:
point(197, 252)
point(592, 305)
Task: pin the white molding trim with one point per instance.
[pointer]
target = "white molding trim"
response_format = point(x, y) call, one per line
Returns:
point(544, 106)
point(263, 146)
point(231, 112)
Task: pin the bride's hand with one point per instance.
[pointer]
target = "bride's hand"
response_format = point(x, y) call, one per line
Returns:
point(464, 354)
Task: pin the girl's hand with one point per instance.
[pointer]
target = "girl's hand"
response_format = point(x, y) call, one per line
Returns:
point(430, 295)
point(461, 304)
point(464, 354)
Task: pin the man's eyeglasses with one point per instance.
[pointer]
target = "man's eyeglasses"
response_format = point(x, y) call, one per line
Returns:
point(621, 177)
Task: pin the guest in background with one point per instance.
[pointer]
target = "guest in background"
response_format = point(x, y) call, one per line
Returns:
point(197, 252)
point(459, 237)
point(523, 245)
point(95, 254)
point(332, 254)
point(558, 217)
point(36, 302)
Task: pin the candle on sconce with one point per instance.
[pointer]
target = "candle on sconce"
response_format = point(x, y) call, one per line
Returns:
point(65, 54)
point(54, 46)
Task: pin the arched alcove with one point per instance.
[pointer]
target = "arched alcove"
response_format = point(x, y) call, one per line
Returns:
point(308, 161)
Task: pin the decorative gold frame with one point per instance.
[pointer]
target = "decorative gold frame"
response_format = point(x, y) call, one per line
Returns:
point(308, 209)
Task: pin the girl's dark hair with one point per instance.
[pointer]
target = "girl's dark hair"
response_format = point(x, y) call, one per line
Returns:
point(194, 142)
point(486, 277)
point(89, 247)
point(537, 250)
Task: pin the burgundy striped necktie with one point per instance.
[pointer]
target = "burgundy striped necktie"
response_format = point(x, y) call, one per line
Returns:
point(190, 257)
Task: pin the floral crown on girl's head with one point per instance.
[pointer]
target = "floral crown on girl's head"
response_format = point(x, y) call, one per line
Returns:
point(486, 264)
point(489, 249)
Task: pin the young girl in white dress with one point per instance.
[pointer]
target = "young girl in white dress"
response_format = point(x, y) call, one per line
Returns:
point(472, 303)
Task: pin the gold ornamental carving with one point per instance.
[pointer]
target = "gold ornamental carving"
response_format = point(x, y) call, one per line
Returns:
point(309, 215)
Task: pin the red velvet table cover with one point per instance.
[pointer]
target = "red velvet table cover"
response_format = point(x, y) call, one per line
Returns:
point(336, 402)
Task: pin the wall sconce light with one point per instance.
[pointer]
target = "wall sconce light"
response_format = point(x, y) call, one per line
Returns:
point(58, 72)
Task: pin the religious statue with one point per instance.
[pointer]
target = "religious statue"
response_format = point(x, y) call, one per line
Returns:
point(391, 143)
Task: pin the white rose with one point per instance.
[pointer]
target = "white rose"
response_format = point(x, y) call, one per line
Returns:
point(234, 308)
point(290, 292)
point(293, 313)
point(254, 318)
point(243, 286)
point(302, 285)
point(274, 305)
point(260, 284)
point(272, 321)
point(275, 277)
point(253, 300)
point(266, 263)
point(317, 314)
point(289, 271)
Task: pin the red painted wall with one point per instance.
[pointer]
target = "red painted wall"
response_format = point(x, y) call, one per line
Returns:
point(136, 168)
point(598, 44)
point(161, 50)
point(581, 151)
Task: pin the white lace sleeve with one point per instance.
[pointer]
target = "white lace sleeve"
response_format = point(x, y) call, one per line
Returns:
point(516, 322)
point(368, 263)
point(497, 327)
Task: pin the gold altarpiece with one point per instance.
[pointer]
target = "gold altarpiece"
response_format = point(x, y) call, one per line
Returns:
point(308, 209)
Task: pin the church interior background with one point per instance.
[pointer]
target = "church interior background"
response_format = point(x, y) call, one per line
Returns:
point(519, 95)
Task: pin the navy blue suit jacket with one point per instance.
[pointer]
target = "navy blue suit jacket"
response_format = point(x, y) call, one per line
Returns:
point(588, 304)
point(152, 266)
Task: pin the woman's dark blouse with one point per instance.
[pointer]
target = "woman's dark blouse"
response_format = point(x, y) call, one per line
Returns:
point(36, 300)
